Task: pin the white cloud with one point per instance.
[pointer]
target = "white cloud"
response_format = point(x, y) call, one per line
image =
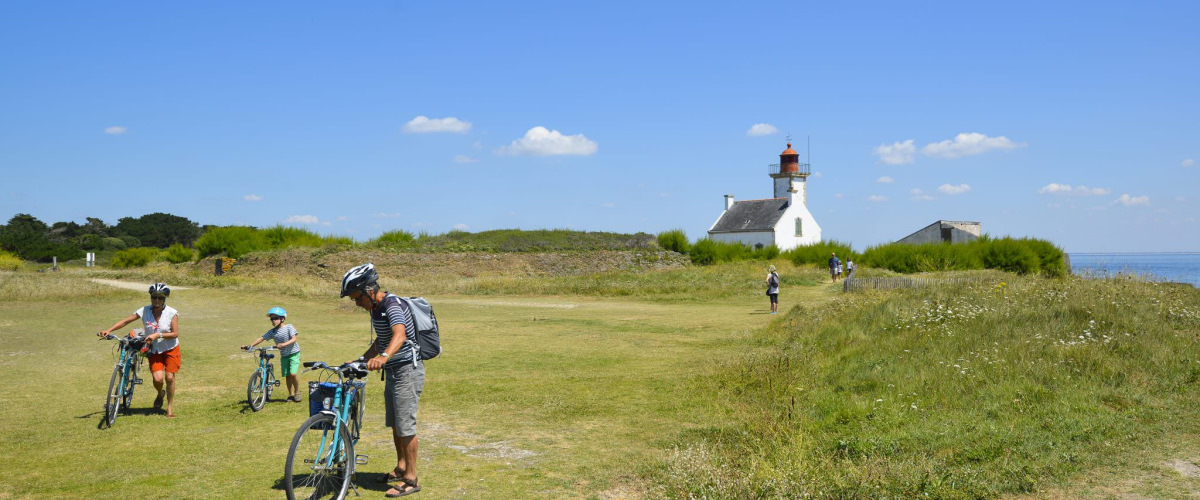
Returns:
point(252, 197)
point(383, 215)
point(923, 197)
point(342, 218)
point(817, 175)
point(461, 227)
point(1187, 163)
point(898, 153)
point(540, 141)
point(761, 129)
point(117, 130)
point(949, 189)
point(885, 180)
point(1131, 201)
point(839, 196)
point(1056, 188)
point(916, 191)
point(464, 159)
point(877, 198)
point(608, 205)
point(426, 125)
point(326, 223)
point(968, 144)
point(301, 219)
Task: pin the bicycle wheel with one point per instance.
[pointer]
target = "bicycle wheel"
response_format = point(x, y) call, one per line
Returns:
point(112, 399)
point(317, 465)
point(255, 395)
point(130, 381)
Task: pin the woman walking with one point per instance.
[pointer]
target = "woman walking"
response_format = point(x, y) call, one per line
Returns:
point(160, 326)
point(773, 288)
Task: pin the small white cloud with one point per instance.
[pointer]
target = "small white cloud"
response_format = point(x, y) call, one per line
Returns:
point(877, 198)
point(1084, 190)
point(1131, 201)
point(301, 219)
point(839, 196)
point(817, 175)
point(1055, 188)
point(425, 125)
point(118, 130)
point(898, 153)
point(949, 189)
point(761, 129)
point(461, 227)
point(923, 197)
point(885, 180)
point(1181, 199)
point(664, 195)
point(252, 197)
point(968, 144)
point(326, 223)
point(540, 141)
point(383, 215)
point(1064, 189)
point(342, 218)
point(464, 159)
point(608, 205)
point(1187, 163)
point(916, 191)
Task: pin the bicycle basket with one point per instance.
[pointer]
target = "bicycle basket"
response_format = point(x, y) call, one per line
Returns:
point(320, 397)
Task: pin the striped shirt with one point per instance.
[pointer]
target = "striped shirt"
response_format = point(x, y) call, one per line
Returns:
point(392, 311)
point(281, 335)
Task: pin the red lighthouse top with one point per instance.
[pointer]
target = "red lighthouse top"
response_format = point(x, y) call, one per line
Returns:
point(789, 160)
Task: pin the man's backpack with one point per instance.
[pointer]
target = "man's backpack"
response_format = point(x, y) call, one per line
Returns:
point(427, 328)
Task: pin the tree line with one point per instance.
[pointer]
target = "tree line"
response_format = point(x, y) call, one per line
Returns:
point(32, 239)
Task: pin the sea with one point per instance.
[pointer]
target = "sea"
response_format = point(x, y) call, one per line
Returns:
point(1181, 267)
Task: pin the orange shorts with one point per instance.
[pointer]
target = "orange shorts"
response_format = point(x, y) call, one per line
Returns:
point(170, 361)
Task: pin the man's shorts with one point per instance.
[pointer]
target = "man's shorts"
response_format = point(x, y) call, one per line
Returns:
point(170, 361)
point(401, 393)
point(290, 364)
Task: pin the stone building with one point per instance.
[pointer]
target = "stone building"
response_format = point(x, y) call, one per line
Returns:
point(945, 231)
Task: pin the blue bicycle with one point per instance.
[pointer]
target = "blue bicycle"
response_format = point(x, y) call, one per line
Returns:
point(124, 376)
point(262, 381)
point(321, 460)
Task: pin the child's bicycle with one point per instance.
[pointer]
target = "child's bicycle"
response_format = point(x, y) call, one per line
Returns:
point(321, 460)
point(262, 381)
point(124, 376)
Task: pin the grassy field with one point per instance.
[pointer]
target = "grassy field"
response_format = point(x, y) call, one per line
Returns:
point(563, 396)
point(561, 381)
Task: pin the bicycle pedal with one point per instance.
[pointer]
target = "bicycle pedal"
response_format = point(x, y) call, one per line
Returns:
point(137, 381)
point(361, 459)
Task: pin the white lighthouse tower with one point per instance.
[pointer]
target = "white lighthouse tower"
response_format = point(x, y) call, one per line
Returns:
point(783, 220)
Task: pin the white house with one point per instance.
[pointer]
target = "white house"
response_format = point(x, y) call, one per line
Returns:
point(783, 220)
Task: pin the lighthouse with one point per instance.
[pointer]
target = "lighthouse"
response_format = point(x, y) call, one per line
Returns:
point(782, 220)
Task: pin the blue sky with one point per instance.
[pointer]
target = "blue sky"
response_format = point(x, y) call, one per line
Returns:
point(1077, 122)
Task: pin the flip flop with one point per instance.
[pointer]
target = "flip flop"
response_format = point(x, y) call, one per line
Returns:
point(411, 487)
point(170, 415)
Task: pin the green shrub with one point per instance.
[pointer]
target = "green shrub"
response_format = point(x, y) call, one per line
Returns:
point(89, 241)
point(112, 243)
point(704, 252)
point(674, 240)
point(232, 241)
point(398, 237)
point(178, 254)
point(134, 257)
point(131, 241)
point(1007, 254)
point(287, 236)
point(1051, 258)
point(818, 253)
point(10, 262)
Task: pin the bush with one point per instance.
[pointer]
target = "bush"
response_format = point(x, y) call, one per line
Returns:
point(1023, 256)
point(704, 252)
point(818, 253)
point(10, 262)
point(89, 241)
point(398, 237)
point(131, 241)
point(233, 241)
point(674, 240)
point(1007, 254)
point(114, 243)
point(134, 257)
point(178, 254)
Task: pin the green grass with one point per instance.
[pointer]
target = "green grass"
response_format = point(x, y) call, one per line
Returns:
point(533, 397)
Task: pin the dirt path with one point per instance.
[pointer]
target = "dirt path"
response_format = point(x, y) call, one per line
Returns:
point(132, 286)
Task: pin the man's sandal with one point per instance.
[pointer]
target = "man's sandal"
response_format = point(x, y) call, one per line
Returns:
point(406, 487)
point(393, 476)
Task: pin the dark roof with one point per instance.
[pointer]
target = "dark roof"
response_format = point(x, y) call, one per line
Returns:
point(751, 215)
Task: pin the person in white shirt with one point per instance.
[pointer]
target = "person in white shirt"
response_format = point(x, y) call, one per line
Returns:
point(160, 325)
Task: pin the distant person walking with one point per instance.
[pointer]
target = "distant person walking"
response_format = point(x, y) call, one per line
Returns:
point(286, 340)
point(849, 268)
point(395, 351)
point(773, 288)
point(160, 325)
point(834, 267)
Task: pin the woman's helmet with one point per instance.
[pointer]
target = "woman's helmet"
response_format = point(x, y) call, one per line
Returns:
point(160, 289)
point(357, 279)
point(277, 311)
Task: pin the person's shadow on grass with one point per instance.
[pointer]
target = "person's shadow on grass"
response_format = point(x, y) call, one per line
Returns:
point(364, 481)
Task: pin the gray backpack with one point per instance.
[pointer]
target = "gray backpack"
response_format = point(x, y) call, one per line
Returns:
point(428, 339)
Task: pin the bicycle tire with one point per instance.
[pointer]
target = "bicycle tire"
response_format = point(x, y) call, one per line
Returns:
point(129, 385)
point(319, 478)
point(256, 396)
point(112, 399)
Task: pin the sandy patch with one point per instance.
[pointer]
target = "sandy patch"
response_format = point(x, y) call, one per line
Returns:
point(1184, 467)
point(141, 287)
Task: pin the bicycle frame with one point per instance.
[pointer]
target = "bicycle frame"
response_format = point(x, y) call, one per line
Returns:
point(265, 367)
point(343, 396)
point(127, 364)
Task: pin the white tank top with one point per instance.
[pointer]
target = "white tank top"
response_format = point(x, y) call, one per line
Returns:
point(163, 325)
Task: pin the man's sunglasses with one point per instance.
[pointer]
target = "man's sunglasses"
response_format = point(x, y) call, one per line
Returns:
point(163, 297)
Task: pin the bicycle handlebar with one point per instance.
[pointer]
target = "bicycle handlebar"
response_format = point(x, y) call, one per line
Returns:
point(354, 369)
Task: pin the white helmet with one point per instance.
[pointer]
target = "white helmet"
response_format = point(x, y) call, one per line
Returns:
point(359, 278)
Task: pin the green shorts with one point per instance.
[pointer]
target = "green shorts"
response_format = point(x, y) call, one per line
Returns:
point(289, 364)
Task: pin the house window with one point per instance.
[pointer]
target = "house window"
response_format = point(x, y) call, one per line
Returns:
point(799, 227)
